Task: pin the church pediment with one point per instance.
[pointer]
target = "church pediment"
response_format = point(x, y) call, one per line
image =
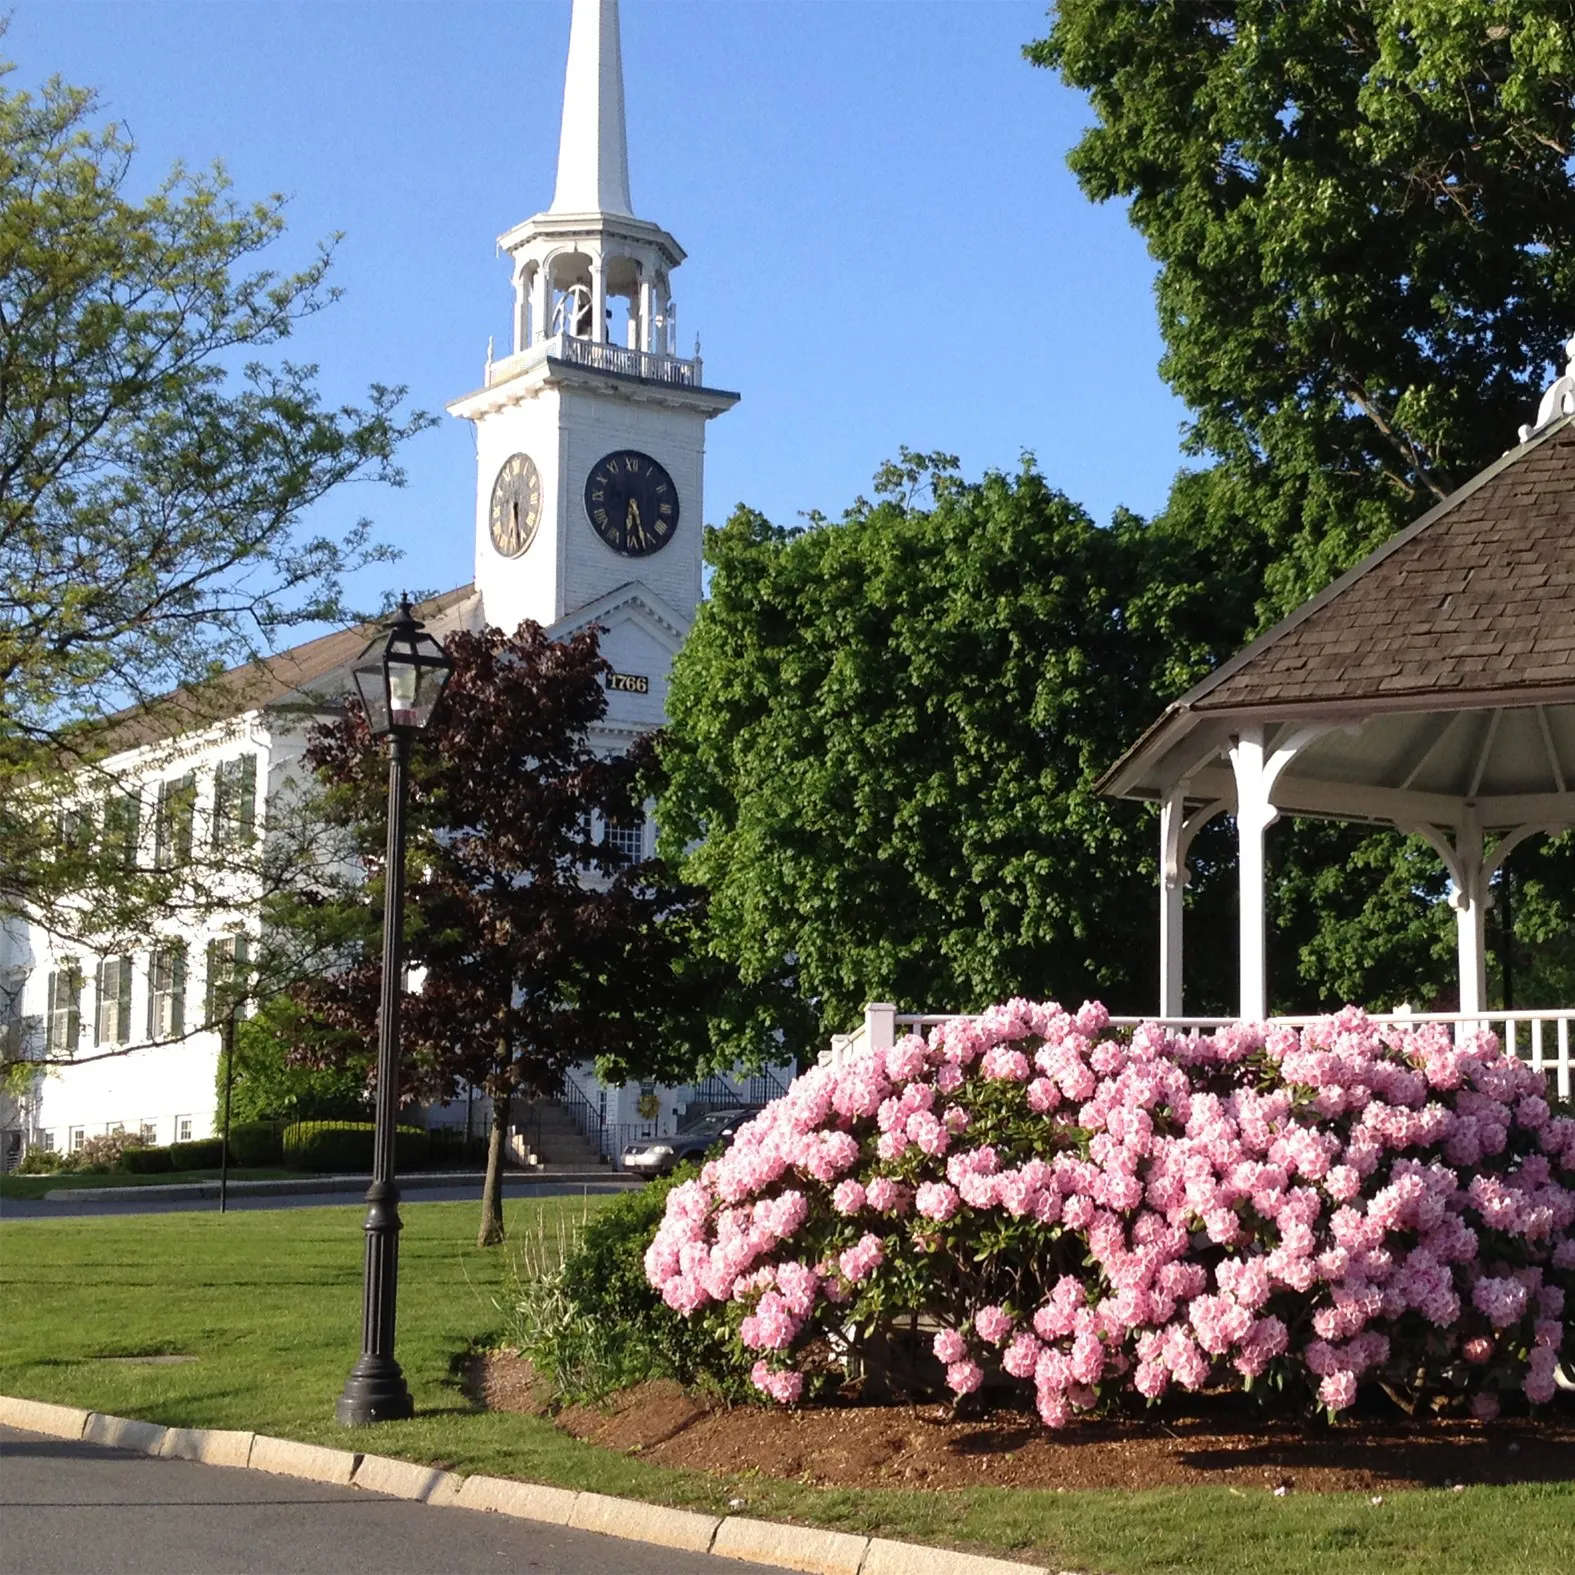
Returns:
point(631, 603)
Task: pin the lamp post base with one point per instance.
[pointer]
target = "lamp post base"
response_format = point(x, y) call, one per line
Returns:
point(374, 1392)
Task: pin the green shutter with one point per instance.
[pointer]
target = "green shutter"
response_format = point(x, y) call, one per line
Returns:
point(98, 1000)
point(242, 976)
point(246, 796)
point(178, 991)
point(183, 801)
point(51, 997)
point(153, 994)
point(73, 983)
point(210, 995)
point(221, 799)
point(123, 1002)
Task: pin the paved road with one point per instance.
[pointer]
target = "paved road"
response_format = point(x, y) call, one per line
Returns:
point(69, 1508)
point(31, 1208)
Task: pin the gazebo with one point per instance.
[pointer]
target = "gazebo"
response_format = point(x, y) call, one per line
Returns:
point(1431, 689)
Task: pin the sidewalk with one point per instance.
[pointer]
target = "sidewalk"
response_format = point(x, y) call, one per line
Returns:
point(291, 1185)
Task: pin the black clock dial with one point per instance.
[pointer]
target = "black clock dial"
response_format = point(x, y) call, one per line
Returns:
point(631, 502)
point(516, 505)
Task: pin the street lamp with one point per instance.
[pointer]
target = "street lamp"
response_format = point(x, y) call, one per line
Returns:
point(400, 678)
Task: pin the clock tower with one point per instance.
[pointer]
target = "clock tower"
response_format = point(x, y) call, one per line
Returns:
point(590, 432)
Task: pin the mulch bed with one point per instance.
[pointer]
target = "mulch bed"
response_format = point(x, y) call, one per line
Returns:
point(1208, 1442)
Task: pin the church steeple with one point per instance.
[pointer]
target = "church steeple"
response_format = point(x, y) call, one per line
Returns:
point(593, 146)
point(590, 429)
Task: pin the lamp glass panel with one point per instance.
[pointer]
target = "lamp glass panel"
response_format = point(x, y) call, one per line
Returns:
point(370, 684)
point(404, 686)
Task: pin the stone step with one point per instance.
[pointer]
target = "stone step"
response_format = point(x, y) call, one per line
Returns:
point(553, 1134)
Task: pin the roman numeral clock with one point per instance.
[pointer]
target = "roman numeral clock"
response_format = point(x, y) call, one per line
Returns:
point(631, 503)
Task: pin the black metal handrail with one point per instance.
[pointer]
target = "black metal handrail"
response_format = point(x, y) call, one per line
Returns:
point(586, 1116)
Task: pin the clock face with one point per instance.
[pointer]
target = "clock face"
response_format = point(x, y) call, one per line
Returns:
point(632, 503)
point(516, 505)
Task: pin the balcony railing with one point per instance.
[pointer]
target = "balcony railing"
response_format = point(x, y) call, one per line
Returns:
point(644, 365)
point(1544, 1038)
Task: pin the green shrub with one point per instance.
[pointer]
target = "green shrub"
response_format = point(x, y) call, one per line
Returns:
point(147, 1161)
point(593, 1323)
point(269, 1086)
point(39, 1162)
point(347, 1146)
point(257, 1143)
point(203, 1154)
point(102, 1153)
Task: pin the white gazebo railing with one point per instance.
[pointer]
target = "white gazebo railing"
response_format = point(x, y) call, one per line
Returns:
point(1546, 1039)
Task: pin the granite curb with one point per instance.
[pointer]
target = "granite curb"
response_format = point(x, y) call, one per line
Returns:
point(285, 1187)
point(811, 1549)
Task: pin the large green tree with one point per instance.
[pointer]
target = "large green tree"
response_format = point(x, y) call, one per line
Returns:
point(884, 737)
point(158, 465)
point(1360, 211)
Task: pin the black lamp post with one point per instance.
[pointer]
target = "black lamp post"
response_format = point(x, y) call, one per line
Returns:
point(400, 677)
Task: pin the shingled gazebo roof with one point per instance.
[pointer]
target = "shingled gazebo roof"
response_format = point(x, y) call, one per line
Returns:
point(1445, 662)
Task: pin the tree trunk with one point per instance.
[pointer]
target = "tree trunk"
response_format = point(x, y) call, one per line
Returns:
point(491, 1232)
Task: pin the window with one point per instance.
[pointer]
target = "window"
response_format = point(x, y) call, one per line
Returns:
point(148, 1131)
point(112, 1128)
point(626, 840)
point(112, 1023)
point(74, 827)
point(183, 1129)
point(63, 1010)
point(122, 817)
point(234, 801)
point(45, 1141)
point(77, 1137)
point(167, 992)
point(172, 822)
point(228, 976)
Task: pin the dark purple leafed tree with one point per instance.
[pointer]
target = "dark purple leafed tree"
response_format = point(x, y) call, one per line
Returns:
point(541, 946)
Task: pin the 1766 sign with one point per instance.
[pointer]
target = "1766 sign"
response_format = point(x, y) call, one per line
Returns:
point(629, 683)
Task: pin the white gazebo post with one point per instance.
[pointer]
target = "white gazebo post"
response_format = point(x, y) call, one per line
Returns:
point(1176, 830)
point(1256, 770)
point(1255, 813)
point(1172, 892)
point(1470, 901)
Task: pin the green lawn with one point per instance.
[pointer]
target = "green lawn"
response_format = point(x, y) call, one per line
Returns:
point(269, 1304)
point(37, 1186)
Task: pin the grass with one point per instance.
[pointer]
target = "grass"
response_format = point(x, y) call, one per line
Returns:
point(37, 1186)
point(269, 1303)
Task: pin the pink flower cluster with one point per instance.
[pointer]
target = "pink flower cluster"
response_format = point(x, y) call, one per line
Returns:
point(1172, 1208)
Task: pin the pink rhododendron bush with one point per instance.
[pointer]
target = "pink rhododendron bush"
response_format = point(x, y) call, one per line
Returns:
point(1089, 1213)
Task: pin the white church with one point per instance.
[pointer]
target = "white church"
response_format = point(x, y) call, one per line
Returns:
point(590, 452)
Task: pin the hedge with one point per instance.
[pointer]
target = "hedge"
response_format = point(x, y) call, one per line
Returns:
point(203, 1154)
point(257, 1143)
point(347, 1146)
point(147, 1161)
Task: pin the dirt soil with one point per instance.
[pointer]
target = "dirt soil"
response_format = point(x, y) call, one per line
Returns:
point(1213, 1442)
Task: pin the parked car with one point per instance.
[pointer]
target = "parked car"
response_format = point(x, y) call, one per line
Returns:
point(657, 1156)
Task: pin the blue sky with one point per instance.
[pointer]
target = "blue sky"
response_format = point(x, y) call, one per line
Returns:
point(885, 245)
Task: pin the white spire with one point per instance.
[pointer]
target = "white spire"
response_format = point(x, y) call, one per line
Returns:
point(593, 148)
